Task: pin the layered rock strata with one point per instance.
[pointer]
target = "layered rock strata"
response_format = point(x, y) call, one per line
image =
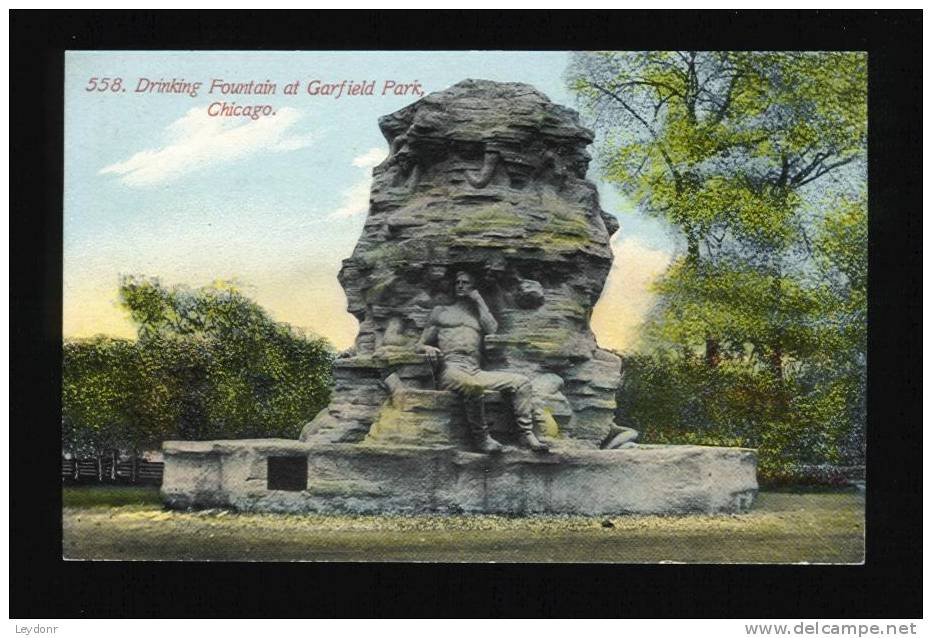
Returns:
point(489, 178)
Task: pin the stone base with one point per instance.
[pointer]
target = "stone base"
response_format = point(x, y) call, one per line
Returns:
point(378, 479)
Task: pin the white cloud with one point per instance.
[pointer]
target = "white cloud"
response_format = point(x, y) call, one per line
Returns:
point(355, 201)
point(373, 157)
point(356, 198)
point(197, 141)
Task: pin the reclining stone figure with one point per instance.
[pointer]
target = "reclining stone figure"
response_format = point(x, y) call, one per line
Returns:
point(452, 340)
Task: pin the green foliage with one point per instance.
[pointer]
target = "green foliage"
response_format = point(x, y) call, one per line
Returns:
point(814, 410)
point(841, 245)
point(747, 310)
point(100, 378)
point(734, 150)
point(842, 257)
point(679, 400)
point(208, 363)
point(720, 143)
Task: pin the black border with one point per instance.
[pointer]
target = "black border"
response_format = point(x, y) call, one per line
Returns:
point(889, 585)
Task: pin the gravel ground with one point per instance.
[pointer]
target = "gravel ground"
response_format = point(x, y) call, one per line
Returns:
point(783, 527)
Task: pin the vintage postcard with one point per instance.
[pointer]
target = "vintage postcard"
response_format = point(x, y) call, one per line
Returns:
point(465, 306)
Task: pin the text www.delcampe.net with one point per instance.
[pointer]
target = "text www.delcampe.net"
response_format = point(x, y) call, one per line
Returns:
point(830, 629)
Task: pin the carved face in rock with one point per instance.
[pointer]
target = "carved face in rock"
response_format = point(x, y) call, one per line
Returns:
point(463, 285)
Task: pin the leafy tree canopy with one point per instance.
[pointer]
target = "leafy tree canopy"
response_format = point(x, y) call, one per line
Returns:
point(208, 363)
point(758, 159)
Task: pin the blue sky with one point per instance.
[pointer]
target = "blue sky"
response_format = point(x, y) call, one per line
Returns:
point(155, 186)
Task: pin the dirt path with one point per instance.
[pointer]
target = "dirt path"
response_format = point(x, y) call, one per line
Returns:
point(783, 527)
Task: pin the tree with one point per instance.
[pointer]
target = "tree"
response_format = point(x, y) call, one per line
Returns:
point(101, 378)
point(748, 155)
point(841, 248)
point(728, 147)
point(232, 370)
point(207, 363)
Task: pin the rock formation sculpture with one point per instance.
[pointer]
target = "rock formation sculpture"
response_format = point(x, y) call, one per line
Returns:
point(487, 178)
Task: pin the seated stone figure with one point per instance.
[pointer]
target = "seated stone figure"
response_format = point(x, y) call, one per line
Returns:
point(453, 340)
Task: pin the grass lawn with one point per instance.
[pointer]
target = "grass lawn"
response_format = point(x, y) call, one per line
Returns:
point(783, 527)
point(109, 496)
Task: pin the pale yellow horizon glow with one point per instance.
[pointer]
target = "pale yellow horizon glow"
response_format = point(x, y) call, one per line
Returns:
point(311, 298)
point(94, 309)
point(627, 297)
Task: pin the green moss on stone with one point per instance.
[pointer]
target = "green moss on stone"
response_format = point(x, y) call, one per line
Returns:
point(568, 307)
point(487, 218)
point(540, 339)
point(551, 241)
point(548, 425)
point(379, 287)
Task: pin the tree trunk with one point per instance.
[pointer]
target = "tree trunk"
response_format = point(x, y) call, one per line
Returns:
point(776, 362)
point(713, 352)
point(100, 467)
point(776, 350)
point(692, 250)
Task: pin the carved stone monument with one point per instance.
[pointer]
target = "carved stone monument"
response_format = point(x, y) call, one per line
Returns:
point(475, 383)
point(489, 179)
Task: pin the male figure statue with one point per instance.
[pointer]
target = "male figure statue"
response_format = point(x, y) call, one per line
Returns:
point(453, 337)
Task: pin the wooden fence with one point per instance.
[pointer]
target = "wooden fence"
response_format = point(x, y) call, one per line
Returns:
point(104, 470)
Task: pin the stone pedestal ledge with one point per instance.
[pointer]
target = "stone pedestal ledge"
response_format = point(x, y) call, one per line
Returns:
point(279, 475)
